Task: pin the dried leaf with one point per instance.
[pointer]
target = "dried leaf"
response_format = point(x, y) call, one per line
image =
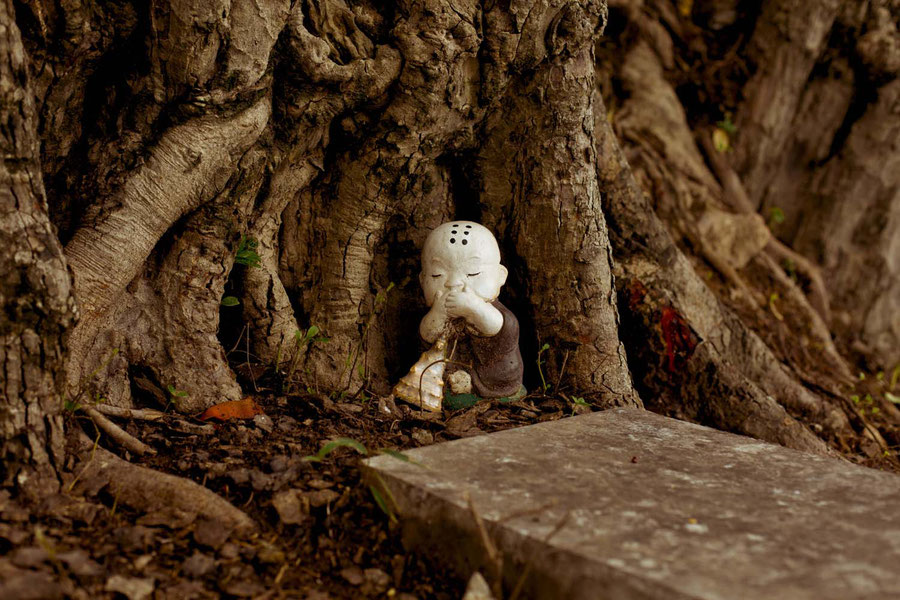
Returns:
point(234, 409)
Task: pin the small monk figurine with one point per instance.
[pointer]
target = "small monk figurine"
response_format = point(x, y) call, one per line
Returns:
point(474, 339)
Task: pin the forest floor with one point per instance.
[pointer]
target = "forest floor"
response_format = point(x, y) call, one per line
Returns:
point(321, 532)
point(328, 538)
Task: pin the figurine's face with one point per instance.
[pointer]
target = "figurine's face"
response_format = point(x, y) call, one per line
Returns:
point(461, 256)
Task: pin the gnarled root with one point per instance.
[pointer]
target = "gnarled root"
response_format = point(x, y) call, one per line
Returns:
point(167, 499)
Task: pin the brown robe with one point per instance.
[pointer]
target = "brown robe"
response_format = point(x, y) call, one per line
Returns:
point(496, 360)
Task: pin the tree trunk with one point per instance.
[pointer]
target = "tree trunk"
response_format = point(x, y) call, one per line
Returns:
point(324, 139)
point(35, 290)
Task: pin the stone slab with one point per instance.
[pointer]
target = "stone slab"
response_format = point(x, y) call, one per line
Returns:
point(625, 504)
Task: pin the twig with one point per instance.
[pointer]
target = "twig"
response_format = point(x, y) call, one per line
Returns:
point(527, 570)
point(129, 413)
point(493, 555)
point(238, 342)
point(119, 435)
point(561, 372)
point(89, 460)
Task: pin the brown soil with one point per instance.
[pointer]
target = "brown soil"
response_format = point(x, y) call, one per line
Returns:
point(343, 547)
point(337, 543)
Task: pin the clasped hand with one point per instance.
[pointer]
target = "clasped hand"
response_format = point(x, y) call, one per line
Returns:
point(459, 304)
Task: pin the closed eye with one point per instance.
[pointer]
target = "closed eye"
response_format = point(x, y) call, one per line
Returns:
point(474, 274)
point(436, 276)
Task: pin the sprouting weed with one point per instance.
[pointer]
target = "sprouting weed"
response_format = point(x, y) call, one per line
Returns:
point(544, 385)
point(246, 253)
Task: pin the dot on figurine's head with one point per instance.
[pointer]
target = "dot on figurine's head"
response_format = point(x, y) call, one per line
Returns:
point(464, 256)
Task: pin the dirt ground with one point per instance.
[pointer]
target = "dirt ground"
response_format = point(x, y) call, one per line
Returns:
point(327, 538)
point(321, 534)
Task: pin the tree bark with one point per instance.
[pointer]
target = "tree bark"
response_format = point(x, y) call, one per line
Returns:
point(335, 134)
point(38, 308)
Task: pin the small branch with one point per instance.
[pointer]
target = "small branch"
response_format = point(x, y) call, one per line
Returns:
point(817, 293)
point(494, 557)
point(119, 435)
point(129, 413)
point(520, 584)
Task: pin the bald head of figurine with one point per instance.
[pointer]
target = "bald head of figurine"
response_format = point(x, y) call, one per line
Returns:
point(462, 256)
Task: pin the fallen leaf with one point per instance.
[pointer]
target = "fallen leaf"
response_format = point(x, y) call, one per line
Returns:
point(321, 497)
point(198, 565)
point(290, 507)
point(353, 575)
point(133, 588)
point(234, 409)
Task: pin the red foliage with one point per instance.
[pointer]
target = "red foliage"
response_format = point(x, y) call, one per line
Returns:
point(680, 340)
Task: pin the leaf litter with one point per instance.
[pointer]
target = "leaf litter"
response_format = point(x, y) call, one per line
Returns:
point(292, 464)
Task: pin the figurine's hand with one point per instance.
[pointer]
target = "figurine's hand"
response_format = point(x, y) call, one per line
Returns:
point(440, 297)
point(436, 319)
point(462, 304)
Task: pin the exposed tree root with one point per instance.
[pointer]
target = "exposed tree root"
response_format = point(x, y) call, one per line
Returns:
point(166, 499)
point(734, 195)
point(129, 413)
point(190, 165)
point(117, 434)
point(694, 358)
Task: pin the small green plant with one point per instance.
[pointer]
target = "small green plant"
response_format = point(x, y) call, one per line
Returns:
point(302, 339)
point(230, 301)
point(722, 134)
point(333, 445)
point(352, 362)
point(727, 125)
point(246, 253)
point(776, 216)
point(73, 405)
point(544, 385)
point(175, 395)
point(578, 401)
point(381, 494)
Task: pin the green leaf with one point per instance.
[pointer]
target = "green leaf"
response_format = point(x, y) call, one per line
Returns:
point(71, 406)
point(395, 454)
point(334, 445)
point(230, 301)
point(892, 397)
point(176, 392)
point(246, 253)
point(727, 126)
point(400, 456)
point(776, 215)
point(382, 503)
point(545, 347)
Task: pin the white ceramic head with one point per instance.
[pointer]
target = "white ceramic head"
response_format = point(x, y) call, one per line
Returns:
point(462, 255)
